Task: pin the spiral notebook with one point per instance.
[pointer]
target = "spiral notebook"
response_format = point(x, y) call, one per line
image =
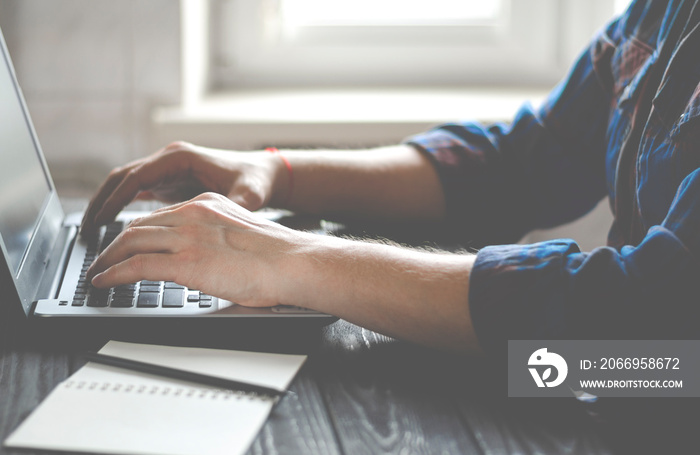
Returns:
point(104, 409)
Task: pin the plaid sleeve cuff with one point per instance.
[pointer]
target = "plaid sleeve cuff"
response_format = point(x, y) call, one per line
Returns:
point(551, 290)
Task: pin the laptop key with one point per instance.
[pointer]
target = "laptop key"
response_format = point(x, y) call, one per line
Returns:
point(122, 302)
point(98, 299)
point(147, 300)
point(118, 291)
point(149, 288)
point(123, 294)
point(173, 298)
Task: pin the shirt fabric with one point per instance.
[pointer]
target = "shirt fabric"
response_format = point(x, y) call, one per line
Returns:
point(624, 123)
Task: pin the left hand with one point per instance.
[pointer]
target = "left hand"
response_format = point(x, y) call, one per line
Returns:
point(208, 243)
point(180, 171)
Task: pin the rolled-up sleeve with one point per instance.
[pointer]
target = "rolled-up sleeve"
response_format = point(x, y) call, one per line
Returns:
point(501, 181)
point(552, 290)
point(545, 168)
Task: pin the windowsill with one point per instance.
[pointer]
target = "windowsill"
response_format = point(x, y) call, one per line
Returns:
point(333, 117)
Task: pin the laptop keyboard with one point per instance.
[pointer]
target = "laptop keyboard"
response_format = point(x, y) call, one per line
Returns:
point(144, 294)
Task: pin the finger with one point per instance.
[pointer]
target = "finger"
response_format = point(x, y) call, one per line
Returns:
point(131, 242)
point(150, 266)
point(115, 177)
point(174, 192)
point(148, 175)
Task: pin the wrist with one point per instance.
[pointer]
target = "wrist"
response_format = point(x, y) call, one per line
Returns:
point(298, 280)
point(283, 179)
point(321, 272)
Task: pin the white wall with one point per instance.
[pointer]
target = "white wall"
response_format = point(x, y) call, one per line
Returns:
point(91, 72)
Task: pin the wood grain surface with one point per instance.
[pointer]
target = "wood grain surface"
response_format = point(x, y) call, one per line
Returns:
point(358, 393)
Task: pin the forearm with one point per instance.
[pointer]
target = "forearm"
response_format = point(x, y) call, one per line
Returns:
point(389, 182)
point(412, 295)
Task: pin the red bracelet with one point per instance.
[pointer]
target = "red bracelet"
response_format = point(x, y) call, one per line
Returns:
point(290, 172)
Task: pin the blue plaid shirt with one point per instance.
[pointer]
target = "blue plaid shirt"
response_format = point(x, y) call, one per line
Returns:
point(625, 123)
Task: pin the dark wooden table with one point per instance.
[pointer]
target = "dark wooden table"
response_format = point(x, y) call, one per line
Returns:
point(358, 393)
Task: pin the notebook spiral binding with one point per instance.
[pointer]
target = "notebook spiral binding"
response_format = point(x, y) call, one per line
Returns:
point(184, 392)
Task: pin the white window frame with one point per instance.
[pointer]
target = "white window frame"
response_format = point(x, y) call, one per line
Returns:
point(566, 27)
point(534, 50)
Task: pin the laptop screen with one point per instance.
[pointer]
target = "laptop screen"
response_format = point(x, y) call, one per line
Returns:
point(24, 186)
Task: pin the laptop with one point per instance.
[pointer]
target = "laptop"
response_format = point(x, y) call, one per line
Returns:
point(45, 260)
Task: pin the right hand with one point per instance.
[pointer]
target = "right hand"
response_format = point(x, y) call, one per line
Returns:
point(211, 244)
point(181, 171)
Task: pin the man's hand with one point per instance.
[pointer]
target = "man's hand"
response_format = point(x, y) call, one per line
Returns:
point(218, 247)
point(181, 171)
point(208, 243)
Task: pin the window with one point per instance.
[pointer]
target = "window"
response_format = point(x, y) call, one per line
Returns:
point(305, 13)
point(359, 43)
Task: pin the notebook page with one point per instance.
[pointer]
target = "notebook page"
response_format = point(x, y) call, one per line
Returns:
point(261, 368)
point(105, 409)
